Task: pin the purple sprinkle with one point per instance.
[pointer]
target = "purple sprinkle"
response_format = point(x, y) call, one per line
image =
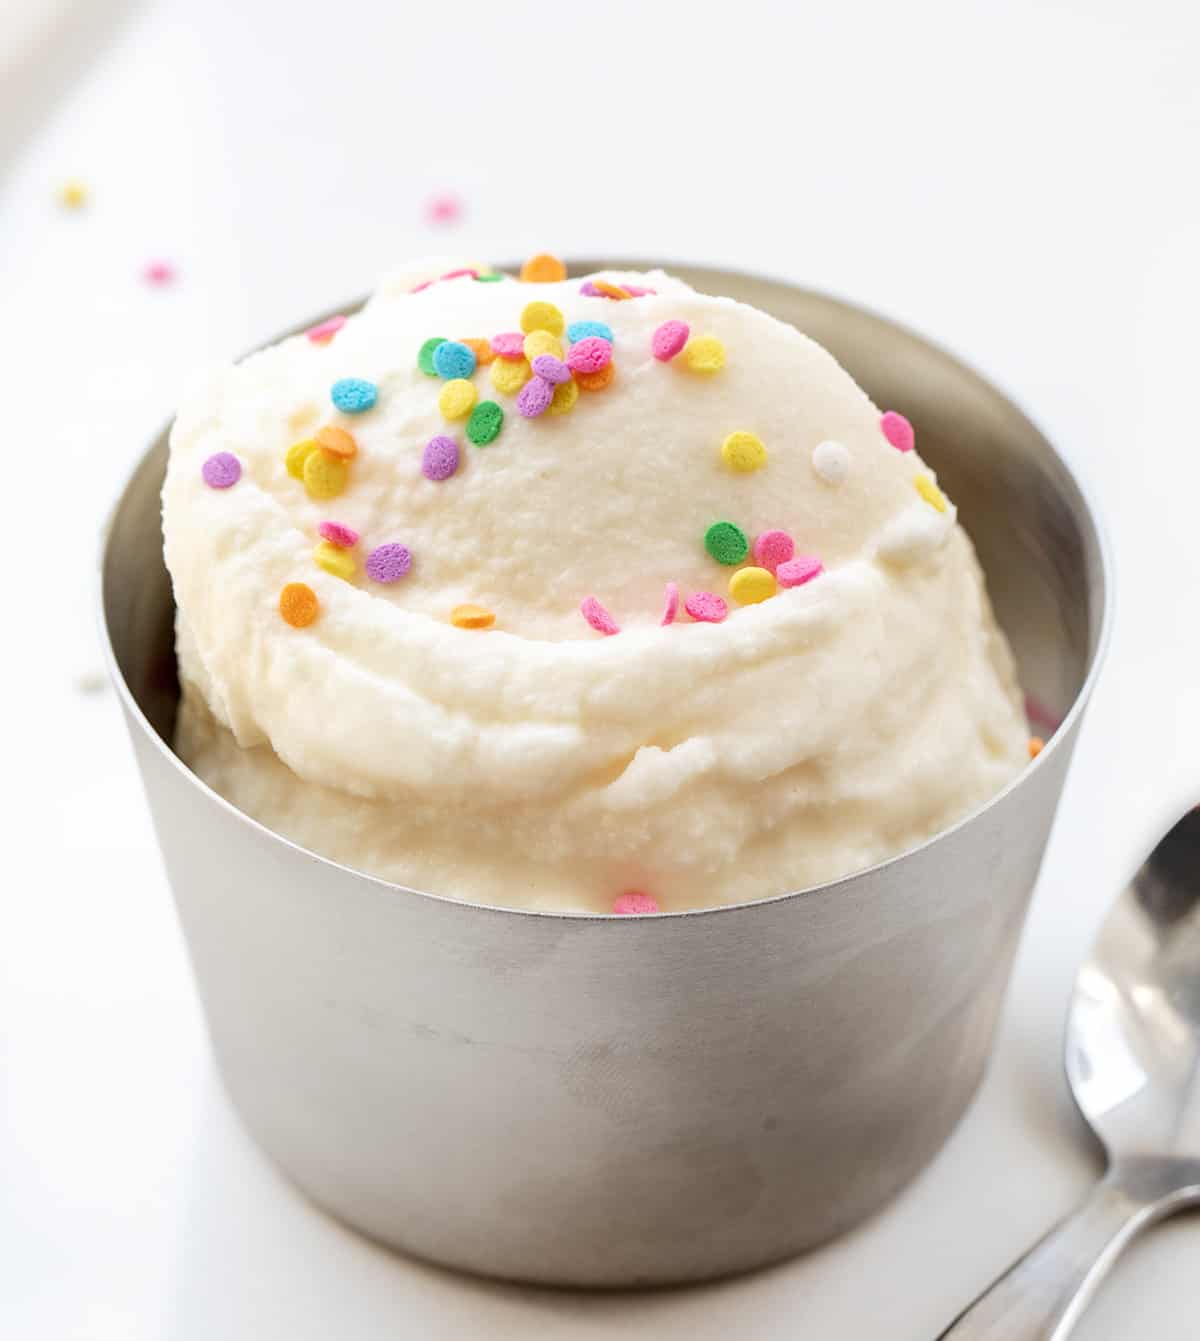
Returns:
point(589, 290)
point(221, 471)
point(535, 397)
point(388, 563)
point(551, 369)
point(440, 459)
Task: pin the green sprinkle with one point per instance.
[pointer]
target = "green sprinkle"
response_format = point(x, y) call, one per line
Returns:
point(726, 542)
point(485, 423)
point(491, 278)
point(425, 357)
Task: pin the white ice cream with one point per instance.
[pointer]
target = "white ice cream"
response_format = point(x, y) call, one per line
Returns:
point(539, 763)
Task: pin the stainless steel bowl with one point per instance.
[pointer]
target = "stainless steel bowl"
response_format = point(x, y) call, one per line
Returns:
point(619, 1101)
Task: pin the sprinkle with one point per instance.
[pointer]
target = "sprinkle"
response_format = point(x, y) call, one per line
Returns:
point(929, 491)
point(337, 441)
point(72, 194)
point(831, 461)
point(898, 431)
point(426, 352)
point(598, 617)
point(543, 269)
point(221, 470)
point(297, 454)
point(453, 360)
point(324, 331)
point(298, 604)
point(345, 537)
point(670, 604)
point(726, 542)
point(541, 316)
point(743, 452)
point(589, 355)
point(509, 345)
point(333, 559)
point(772, 548)
point(589, 290)
point(508, 377)
point(637, 291)
point(440, 458)
point(749, 586)
point(485, 423)
point(482, 349)
point(353, 395)
point(606, 290)
point(460, 273)
point(444, 208)
point(581, 330)
point(1036, 746)
point(424, 284)
point(705, 354)
point(492, 277)
point(669, 339)
point(325, 475)
point(538, 343)
point(388, 563)
point(551, 369)
point(535, 397)
point(796, 572)
point(158, 272)
point(565, 396)
point(633, 902)
point(706, 608)
point(457, 399)
point(471, 617)
point(596, 381)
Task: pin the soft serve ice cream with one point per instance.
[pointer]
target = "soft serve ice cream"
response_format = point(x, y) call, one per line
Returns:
point(584, 595)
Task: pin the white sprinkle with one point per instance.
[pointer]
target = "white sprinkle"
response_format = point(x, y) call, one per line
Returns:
point(831, 461)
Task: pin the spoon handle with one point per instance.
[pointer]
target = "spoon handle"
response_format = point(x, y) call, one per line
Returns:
point(1042, 1296)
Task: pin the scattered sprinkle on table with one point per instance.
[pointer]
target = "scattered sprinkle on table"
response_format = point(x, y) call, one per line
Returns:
point(337, 441)
point(796, 572)
point(426, 352)
point(929, 491)
point(669, 339)
point(552, 369)
point(772, 548)
point(831, 461)
point(471, 617)
point(670, 604)
point(221, 471)
point(324, 331)
point(298, 604)
point(325, 475)
point(335, 560)
point(509, 345)
point(543, 269)
point(72, 194)
point(539, 316)
point(439, 460)
point(726, 542)
point(634, 903)
point(510, 375)
point(444, 209)
point(705, 354)
point(749, 586)
point(1036, 746)
point(353, 395)
point(297, 454)
point(598, 617)
point(388, 563)
point(457, 398)
point(535, 397)
point(743, 452)
point(706, 608)
point(485, 423)
point(158, 273)
point(898, 431)
point(565, 396)
point(538, 343)
point(453, 360)
point(338, 534)
point(589, 355)
point(598, 380)
point(581, 330)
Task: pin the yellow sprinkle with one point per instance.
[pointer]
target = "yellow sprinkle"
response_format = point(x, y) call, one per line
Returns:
point(325, 475)
point(297, 454)
point(930, 492)
point(471, 617)
point(565, 396)
point(743, 451)
point(510, 375)
point(541, 342)
point(704, 354)
point(457, 399)
point(72, 194)
point(334, 560)
point(541, 316)
point(748, 586)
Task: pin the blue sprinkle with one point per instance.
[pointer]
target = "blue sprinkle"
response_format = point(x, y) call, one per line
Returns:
point(450, 360)
point(580, 330)
point(352, 395)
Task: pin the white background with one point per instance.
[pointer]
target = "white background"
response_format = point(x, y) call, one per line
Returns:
point(1017, 179)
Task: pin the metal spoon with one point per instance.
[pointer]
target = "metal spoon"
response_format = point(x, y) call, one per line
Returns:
point(1133, 1063)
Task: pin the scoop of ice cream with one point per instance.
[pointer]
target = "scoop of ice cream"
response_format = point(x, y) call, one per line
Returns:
point(477, 693)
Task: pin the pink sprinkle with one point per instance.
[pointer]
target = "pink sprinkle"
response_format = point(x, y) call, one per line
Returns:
point(159, 272)
point(598, 617)
point(424, 284)
point(898, 431)
point(796, 572)
point(458, 274)
point(773, 548)
point(345, 537)
point(633, 901)
point(636, 291)
point(324, 331)
point(669, 339)
point(552, 369)
point(509, 345)
point(670, 604)
point(589, 355)
point(705, 607)
point(535, 398)
point(444, 208)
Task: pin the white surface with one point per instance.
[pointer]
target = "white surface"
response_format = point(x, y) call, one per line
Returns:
point(1016, 179)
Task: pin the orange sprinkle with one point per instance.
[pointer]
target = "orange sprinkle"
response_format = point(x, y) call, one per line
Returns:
point(471, 617)
point(598, 380)
point(543, 269)
point(298, 604)
point(609, 290)
point(1036, 746)
point(482, 349)
point(337, 441)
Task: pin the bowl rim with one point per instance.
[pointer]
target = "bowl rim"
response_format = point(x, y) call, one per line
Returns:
point(1103, 577)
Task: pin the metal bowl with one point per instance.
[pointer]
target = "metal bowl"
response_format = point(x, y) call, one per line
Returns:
point(620, 1101)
